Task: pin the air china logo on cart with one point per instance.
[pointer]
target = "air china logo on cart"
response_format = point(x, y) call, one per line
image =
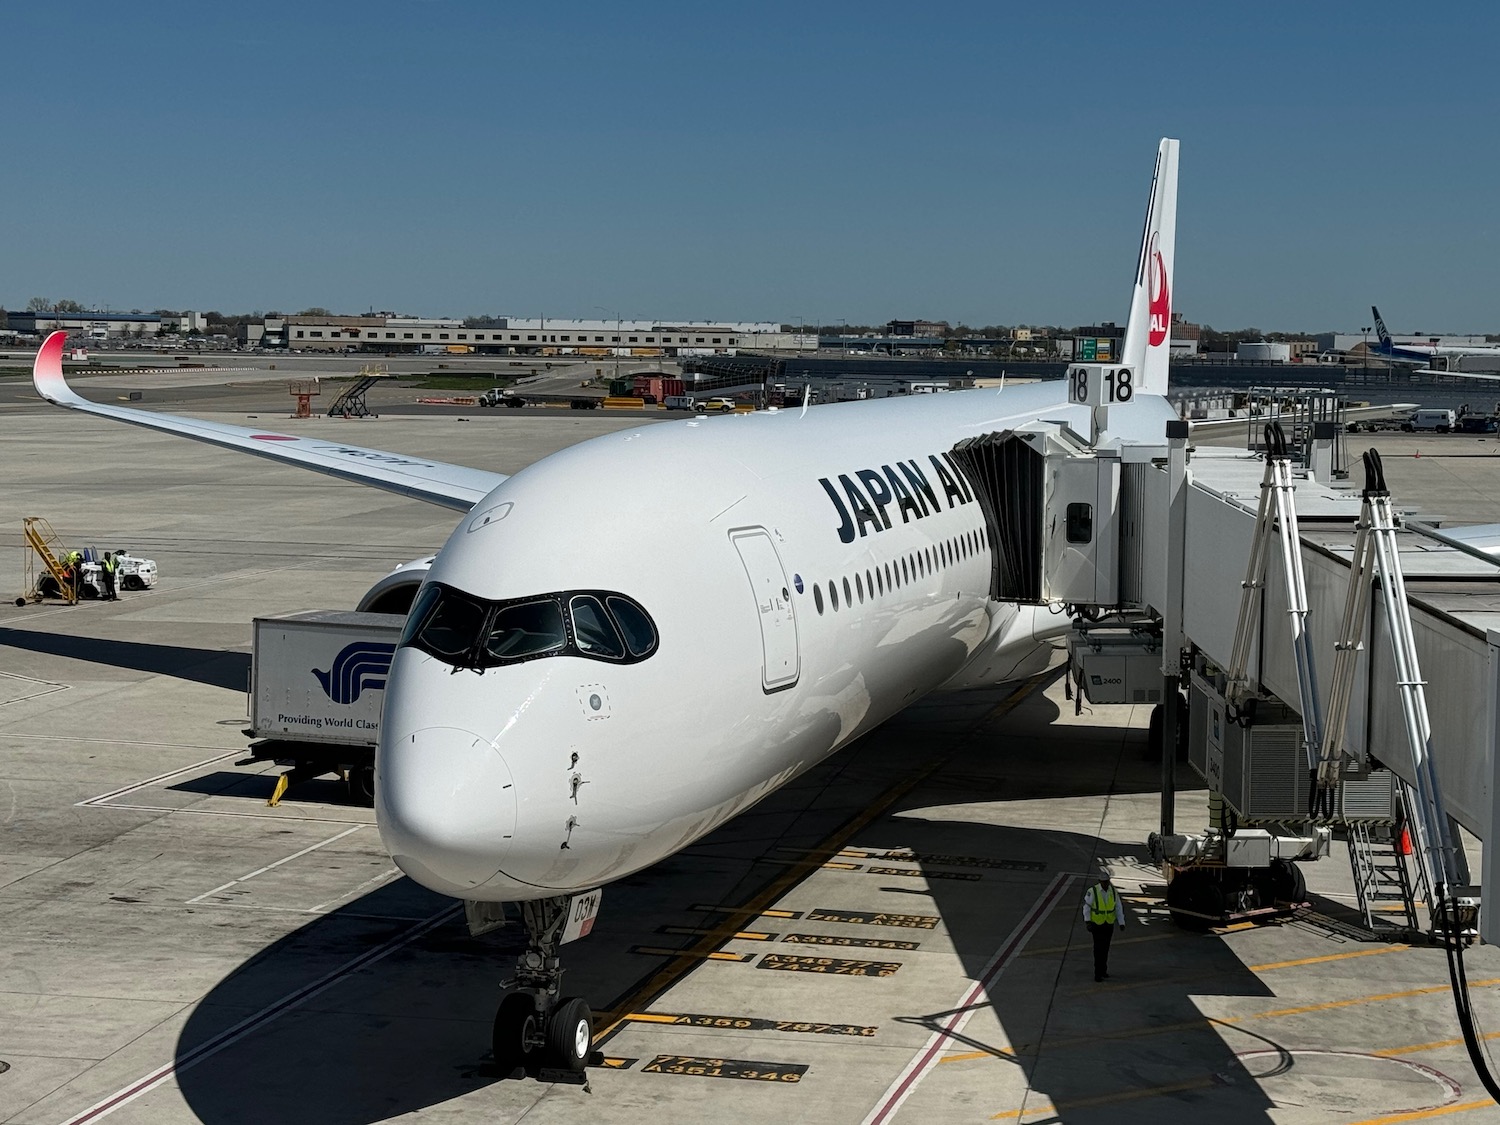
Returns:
point(362, 665)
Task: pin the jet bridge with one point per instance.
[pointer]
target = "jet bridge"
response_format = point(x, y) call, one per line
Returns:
point(1150, 545)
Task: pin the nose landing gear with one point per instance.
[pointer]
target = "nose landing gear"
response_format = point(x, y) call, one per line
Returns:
point(538, 1033)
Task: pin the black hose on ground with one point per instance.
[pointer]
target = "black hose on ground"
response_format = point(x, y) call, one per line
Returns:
point(1453, 945)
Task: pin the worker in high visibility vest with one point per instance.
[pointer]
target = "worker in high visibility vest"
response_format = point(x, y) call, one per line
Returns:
point(107, 573)
point(1103, 915)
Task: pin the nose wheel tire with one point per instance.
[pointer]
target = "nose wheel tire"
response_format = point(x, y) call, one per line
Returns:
point(516, 1027)
point(570, 1034)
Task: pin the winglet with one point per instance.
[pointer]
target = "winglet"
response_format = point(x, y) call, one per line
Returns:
point(1148, 332)
point(47, 372)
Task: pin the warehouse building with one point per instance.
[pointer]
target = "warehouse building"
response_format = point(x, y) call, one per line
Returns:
point(95, 325)
point(515, 335)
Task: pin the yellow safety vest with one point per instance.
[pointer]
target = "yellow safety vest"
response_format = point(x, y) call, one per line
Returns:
point(1102, 913)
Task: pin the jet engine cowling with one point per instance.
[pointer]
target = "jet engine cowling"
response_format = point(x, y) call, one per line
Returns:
point(394, 593)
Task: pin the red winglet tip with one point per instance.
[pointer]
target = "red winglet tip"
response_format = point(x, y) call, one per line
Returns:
point(47, 373)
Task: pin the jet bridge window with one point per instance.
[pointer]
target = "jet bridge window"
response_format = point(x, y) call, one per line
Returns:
point(1080, 525)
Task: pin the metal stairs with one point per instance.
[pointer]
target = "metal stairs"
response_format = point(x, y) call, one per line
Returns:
point(351, 401)
point(1382, 879)
point(40, 540)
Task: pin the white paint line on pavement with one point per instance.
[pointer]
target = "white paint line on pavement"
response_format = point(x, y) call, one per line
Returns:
point(923, 1061)
point(273, 866)
point(251, 1024)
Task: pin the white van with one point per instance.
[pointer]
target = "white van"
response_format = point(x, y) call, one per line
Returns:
point(1442, 421)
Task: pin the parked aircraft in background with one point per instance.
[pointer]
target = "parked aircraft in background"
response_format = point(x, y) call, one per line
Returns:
point(1446, 359)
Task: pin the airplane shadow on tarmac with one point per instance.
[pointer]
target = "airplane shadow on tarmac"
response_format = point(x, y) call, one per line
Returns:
point(411, 1030)
point(1092, 1050)
point(214, 667)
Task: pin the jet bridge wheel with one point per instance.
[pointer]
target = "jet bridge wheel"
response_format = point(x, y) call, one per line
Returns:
point(517, 1028)
point(1195, 898)
point(1285, 882)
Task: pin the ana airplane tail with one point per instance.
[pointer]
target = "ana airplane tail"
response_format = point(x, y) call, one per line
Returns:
point(1385, 337)
point(1148, 332)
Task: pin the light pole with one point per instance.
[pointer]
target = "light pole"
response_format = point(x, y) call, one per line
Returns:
point(1365, 355)
point(615, 351)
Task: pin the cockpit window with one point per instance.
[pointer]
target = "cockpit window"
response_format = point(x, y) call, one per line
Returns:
point(593, 630)
point(427, 597)
point(468, 632)
point(640, 637)
point(453, 626)
point(527, 629)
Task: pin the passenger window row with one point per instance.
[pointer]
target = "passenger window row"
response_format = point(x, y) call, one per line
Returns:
point(468, 632)
point(885, 578)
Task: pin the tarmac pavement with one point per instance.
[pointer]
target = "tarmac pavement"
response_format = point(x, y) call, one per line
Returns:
point(896, 936)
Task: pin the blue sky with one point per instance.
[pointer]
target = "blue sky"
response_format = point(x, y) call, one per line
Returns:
point(977, 162)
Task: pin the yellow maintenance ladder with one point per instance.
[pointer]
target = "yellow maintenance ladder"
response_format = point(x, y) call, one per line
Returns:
point(41, 542)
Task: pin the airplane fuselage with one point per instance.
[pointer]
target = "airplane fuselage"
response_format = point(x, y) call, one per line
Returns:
point(807, 574)
point(1424, 352)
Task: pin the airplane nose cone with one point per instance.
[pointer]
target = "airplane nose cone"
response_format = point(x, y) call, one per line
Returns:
point(446, 807)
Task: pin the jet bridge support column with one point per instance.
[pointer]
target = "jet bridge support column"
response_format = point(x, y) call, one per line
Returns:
point(1172, 638)
point(1489, 907)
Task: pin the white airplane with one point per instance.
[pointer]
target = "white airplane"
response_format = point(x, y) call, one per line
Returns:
point(1433, 358)
point(591, 680)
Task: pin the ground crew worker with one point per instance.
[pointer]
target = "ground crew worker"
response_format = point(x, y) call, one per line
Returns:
point(1103, 914)
point(107, 572)
point(74, 572)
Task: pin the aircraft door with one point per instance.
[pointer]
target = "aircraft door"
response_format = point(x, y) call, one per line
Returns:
point(781, 664)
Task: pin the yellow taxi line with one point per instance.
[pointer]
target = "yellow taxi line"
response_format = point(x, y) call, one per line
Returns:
point(1222, 1021)
point(1269, 966)
point(1105, 1099)
point(1203, 1084)
point(1329, 1005)
point(1179, 934)
point(1210, 1080)
point(1392, 1052)
point(1327, 957)
point(1423, 1114)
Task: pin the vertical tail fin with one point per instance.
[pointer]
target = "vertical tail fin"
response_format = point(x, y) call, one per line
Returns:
point(1380, 331)
point(1148, 332)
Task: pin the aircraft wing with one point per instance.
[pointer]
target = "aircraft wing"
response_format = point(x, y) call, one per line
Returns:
point(451, 486)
